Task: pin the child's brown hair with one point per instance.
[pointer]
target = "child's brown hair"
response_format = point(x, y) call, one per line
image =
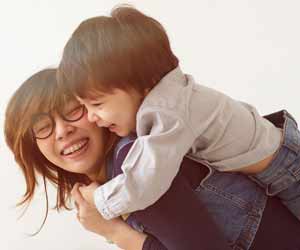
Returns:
point(125, 50)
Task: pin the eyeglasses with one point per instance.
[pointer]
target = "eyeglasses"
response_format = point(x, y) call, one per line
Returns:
point(43, 124)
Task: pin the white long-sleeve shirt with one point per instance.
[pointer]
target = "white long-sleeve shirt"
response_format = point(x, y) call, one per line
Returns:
point(180, 117)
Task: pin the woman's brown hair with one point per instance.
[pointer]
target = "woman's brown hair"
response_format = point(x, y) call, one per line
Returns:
point(38, 94)
point(125, 50)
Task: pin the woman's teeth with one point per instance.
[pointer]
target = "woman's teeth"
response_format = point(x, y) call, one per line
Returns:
point(74, 148)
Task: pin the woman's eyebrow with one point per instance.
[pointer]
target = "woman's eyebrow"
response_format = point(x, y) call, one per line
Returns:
point(71, 105)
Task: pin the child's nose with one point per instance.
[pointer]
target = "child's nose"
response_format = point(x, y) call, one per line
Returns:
point(92, 117)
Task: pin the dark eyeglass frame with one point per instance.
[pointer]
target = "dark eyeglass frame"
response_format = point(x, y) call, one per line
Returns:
point(83, 112)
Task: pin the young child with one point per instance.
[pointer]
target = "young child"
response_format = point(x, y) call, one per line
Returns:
point(122, 68)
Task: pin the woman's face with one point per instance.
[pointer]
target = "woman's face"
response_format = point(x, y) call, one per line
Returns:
point(76, 146)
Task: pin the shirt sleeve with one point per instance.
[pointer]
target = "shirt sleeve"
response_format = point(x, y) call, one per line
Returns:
point(178, 220)
point(150, 166)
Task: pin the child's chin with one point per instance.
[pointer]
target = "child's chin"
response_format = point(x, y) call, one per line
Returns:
point(122, 133)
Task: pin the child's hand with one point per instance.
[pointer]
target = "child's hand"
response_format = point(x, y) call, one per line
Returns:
point(87, 192)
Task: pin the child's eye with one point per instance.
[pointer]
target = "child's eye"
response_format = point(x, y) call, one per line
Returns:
point(96, 104)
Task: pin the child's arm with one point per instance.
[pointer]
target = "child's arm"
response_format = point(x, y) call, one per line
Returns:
point(149, 167)
point(179, 220)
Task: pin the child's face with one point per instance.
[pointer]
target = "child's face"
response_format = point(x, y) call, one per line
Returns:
point(115, 111)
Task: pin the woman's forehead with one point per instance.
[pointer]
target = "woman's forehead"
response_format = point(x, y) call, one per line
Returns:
point(54, 105)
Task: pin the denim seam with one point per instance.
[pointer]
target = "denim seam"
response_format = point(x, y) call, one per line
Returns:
point(285, 146)
point(249, 231)
point(234, 199)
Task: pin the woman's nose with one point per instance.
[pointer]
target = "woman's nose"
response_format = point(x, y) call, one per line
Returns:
point(63, 128)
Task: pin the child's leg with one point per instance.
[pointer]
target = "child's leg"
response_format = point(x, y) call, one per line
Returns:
point(282, 177)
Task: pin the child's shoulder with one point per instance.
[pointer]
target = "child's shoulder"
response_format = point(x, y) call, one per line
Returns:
point(170, 92)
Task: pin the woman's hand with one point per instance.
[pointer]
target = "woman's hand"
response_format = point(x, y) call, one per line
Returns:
point(87, 192)
point(88, 215)
point(115, 229)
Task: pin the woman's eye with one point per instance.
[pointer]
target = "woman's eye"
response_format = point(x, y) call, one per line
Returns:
point(74, 111)
point(44, 128)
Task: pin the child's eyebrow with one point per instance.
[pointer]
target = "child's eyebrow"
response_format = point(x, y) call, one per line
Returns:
point(93, 96)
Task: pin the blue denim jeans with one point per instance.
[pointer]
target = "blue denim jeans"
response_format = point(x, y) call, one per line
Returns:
point(282, 176)
point(236, 203)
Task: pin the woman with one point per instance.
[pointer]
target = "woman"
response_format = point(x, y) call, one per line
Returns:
point(54, 139)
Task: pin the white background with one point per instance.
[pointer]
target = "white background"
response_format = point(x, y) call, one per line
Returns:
point(248, 49)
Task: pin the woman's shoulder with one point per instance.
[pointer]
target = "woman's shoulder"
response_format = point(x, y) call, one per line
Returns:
point(119, 154)
point(123, 145)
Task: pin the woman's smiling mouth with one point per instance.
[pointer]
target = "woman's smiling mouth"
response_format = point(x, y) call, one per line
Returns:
point(75, 148)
